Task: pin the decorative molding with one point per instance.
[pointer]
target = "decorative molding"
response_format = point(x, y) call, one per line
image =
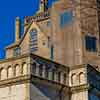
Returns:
point(79, 88)
point(15, 80)
point(78, 66)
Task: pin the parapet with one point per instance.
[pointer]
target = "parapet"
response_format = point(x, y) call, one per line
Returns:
point(38, 17)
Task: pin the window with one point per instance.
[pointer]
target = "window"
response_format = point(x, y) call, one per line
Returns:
point(48, 23)
point(52, 53)
point(65, 18)
point(17, 51)
point(49, 42)
point(33, 40)
point(90, 43)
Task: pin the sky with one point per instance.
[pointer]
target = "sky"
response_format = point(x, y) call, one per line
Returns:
point(9, 9)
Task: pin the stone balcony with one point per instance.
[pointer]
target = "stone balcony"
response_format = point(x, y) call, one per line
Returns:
point(49, 70)
point(25, 67)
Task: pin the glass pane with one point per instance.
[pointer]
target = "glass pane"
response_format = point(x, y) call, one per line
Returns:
point(65, 18)
point(90, 43)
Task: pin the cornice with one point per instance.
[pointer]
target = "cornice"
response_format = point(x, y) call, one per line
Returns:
point(78, 66)
point(15, 81)
point(15, 58)
point(79, 88)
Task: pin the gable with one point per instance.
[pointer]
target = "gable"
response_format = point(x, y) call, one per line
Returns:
point(35, 44)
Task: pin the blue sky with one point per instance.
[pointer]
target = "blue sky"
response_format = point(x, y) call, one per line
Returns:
point(9, 9)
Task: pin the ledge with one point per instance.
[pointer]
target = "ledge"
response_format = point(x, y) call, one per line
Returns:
point(79, 88)
point(15, 80)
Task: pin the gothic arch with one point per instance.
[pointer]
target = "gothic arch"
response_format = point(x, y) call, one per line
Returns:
point(3, 74)
point(82, 78)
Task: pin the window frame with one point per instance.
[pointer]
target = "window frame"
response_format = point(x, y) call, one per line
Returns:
point(90, 43)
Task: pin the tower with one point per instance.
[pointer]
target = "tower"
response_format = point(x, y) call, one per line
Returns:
point(76, 42)
point(74, 30)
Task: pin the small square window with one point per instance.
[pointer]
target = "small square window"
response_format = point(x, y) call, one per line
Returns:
point(65, 18)
point(17, 51)
point(90, 43)
point(48, 23)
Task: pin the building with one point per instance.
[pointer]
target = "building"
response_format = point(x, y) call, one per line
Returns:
point(58, 56)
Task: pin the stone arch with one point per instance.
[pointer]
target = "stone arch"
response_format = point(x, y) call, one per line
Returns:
point(3, 74)
point(73, 79)
point(24, 68)
point(82, 78)
point(17, 70)
point(9, 72)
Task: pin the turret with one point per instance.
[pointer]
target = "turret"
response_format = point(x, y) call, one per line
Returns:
point(43, 6)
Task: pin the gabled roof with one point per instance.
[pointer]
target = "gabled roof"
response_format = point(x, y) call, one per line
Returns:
point(20, 41)
point(30, 19)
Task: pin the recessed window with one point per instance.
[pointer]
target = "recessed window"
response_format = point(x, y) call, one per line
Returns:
point(65, 18)
point(90, 43)
point(17, 51)
point(33, 40)
point(48, 23)
point(52, 53)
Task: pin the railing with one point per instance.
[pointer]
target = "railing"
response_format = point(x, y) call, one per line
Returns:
point(15, 68)
point(49, 70)
point(38, 17)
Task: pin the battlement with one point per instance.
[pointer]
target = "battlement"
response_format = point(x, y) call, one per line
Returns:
point(38, 17)
point(27, 66)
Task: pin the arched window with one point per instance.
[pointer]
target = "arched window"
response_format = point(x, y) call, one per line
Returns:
point(3, 74)
point(24, 68)
point(17, 70)
point(10, 72)
point(82, 78)
point(73, 79)
point(33, 40)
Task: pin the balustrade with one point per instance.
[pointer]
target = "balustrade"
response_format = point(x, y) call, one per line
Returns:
point(39, 67)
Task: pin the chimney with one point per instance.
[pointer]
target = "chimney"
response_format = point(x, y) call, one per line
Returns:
point(25, 24)
point(17, 29)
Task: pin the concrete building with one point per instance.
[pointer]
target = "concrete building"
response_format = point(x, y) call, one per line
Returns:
point(57, 58)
